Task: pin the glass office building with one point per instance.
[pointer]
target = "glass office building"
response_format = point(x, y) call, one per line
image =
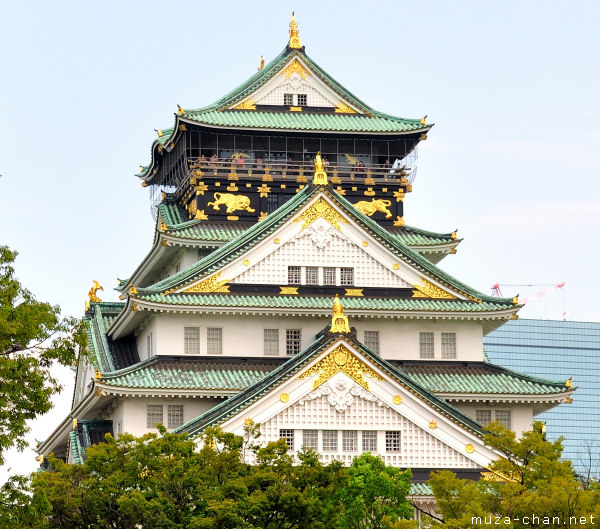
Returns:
point(558, 350)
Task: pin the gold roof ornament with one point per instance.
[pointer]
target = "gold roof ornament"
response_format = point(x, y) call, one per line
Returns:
point(262, 63)
point(424, 120)
point(339, 322)
point(180, 110)
point(294, 37)
point(569, 382)
point(92, 293)
point(320, 177)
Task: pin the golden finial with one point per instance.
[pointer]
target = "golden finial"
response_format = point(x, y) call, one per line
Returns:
point(339, 322)
point(159, 132)
point(294, 38)
point(320, 177)
point(92, 293)
point(98, 376)
point(424, 120)
point(262, 63)
point(569, 382)
point(180, 110)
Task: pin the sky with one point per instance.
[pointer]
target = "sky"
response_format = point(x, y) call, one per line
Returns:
point(512, 160)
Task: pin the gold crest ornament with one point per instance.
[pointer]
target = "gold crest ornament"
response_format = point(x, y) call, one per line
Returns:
point(339, 322)
point(92, 293)
point(320, 177)
point(294, 36)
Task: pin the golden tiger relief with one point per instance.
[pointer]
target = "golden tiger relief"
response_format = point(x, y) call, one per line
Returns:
point(233, 202)
point(376, 204)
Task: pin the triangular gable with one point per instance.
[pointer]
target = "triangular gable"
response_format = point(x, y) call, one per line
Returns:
point(339, 385)
point(296, 76)
point(322, 233)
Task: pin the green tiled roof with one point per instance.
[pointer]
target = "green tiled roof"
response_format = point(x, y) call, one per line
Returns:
point(76, 448)
point(202, 374)
point(97, 320)
point(235, 404)
point(236, 247)
point(420, 489)
point(323, 302)
point(477, 379)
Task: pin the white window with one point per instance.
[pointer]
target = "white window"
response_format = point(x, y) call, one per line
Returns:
point(349, 441)
point(426, 344)
point(329, 275)
point(294, 275)
point(330, 440)
point(312, 275)
point(346, 276)
point(371, 340)
point(369, 441)
point(271, 342)
point(154, 415)
point(191, 340)
point(483, 417)
point(174, 415)
point(214, 341)
point(292, 341)
point(504, 418)
point(310, 439)
point(392, 441)
point(288, 99)
point(288, 435)
point(448, 345)
point(302, 100)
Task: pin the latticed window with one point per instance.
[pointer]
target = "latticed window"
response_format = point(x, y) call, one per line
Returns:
point(288, 99)
point(312, 275)
point(149, 344)
point(504, 418)
point(191, 340)
point(369, 441)
point(214, 341)
point(372, 340)
point(271, 341)
point(292, 341)
point(346, 276)
point(288, 435)
point(392, 441)
point(294, 275)
point(174, 415)
point(272, 203)
point(426, 344)
point(483, 417)
point(154, 415)
point(302, 100)
point(329, 275)
point(330, 440)
point(349, 441)
point(448, 345)
point(310, 439)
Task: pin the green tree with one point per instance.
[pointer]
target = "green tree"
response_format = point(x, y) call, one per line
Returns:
point(374, 496)
point(531, 487)
point(32, 337)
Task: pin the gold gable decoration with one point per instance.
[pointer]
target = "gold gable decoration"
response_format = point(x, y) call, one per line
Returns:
point(295, 67)
point(213, 283)
point(294, 36)
point(321, 209)
point(248, 104)
point(429, 290)
point(343, 108)
point(339, 322)
point(340, 359)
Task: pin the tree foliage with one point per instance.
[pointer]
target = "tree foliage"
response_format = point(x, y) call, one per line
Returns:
point(164, 482)
point(532, 488)
point(32, 337)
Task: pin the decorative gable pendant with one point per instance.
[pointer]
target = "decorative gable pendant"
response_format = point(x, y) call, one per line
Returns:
point(339, 322)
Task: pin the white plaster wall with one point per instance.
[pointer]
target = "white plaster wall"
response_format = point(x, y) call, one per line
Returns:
point(150, 326)
point(521, 414)
point(133, 411)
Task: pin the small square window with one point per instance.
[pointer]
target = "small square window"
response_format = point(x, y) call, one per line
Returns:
point(154, 415)
point(392, 441)
point(174, 415)
point(191, 340)
point(369, 441)
point(329, 275)
point(271, 342)
point(310, 439)
point(214, 341)
point(292, 341)
point(372, 340)
point(483, 417)
point(288, 435)
point(426, 344)
point(272, 203)
point(349, 441)
point(288, 99)
point(312, 275)
point(302, 100)
point(504, 418)
point(448, 345)
point(346, 276)
point(330, 440)
point(294, 275)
